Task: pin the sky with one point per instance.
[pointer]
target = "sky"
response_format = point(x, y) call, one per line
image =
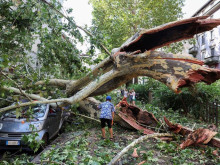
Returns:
point(82, 10)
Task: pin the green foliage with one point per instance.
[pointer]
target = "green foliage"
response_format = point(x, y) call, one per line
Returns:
point(4, 101)
point(77, 152)
point(190, 100)
point(31, 139)
point(167, 147)
point(35, 43)
point(11, 159)
point(116, 20)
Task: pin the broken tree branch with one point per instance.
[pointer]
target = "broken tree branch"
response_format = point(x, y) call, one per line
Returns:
point(139, 140)
point(63, 100)
point(85, 92)
point(18, 91)
point(55, 82)
point(18, 86)
point(87, 117)
point(39, 99)
point(101, 68)
point(172, 71)
point(177, 128)
point(160, 36)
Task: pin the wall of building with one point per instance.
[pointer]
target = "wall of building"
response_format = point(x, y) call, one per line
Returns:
point(207, 47)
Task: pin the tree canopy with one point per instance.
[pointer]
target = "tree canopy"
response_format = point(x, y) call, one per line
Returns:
point(116, 20)
point(33, 31)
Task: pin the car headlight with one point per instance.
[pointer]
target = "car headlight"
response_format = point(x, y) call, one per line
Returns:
point(38, 126)
point(1, 125)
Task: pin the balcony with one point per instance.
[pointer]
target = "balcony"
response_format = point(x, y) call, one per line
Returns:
point(193, 50)
point(211, 60)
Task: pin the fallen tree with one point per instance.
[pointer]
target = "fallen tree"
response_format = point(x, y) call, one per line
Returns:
point(133, 117)
point(136, 57)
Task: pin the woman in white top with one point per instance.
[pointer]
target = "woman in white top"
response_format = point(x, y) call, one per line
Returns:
point(126, 93)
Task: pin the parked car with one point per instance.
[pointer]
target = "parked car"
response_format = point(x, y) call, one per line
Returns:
point(46, 120)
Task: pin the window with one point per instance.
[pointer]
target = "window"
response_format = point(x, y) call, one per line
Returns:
point(203, 55)
point(213, 51)
point(203, 39)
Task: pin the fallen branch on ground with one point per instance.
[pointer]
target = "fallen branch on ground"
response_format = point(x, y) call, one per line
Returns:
point(87, 117)
point(177, 128)
point(139, 140)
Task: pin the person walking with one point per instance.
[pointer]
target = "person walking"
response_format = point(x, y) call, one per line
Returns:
point(133, 97)
point(122, 93)
point(107, 116)
point(126, 93)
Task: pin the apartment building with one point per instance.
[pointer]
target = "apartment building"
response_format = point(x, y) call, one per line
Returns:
point(207, 46)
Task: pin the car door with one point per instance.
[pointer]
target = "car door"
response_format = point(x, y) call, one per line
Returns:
point(53, 121)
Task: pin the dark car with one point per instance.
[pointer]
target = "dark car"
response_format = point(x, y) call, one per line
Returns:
point(46, 120)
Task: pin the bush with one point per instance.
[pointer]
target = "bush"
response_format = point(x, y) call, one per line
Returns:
point(190, 99)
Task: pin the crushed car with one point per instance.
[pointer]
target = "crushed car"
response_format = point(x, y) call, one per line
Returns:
point(47, 122)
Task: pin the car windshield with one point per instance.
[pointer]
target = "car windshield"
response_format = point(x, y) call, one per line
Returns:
point(35, 111)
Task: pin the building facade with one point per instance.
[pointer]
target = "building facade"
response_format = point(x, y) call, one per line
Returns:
point(207, 46)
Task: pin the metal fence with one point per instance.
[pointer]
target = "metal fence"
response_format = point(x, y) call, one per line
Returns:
point(211, 112)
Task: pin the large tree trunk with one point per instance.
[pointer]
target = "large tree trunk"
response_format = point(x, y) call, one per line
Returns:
point(137, 58)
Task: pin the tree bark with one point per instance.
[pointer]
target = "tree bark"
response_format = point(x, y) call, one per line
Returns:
point(55, 82)
point(186, 131)
point(103, 67)
point(171, 69)
point(150, 97)
point(132, 60)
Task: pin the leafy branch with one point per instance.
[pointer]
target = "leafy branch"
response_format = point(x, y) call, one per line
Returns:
point(83, 29)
